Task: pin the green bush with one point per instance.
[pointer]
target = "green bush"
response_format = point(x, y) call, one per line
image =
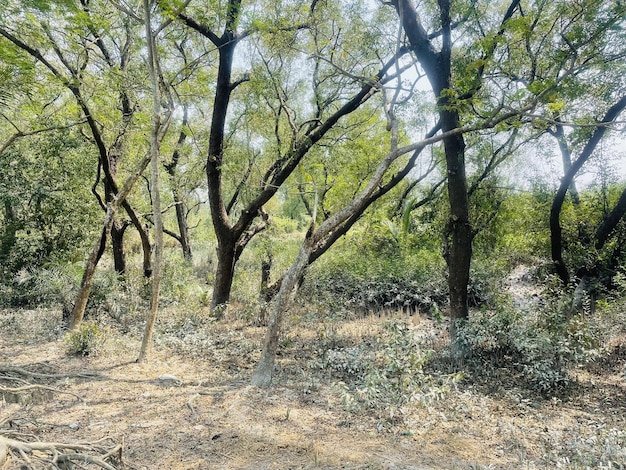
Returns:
point(398, 375)
point(540, 345)
point(87, 340)
point(53, 285)
point(385, 374)
point(354, 278)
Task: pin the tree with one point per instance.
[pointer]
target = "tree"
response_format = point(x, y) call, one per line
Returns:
point(540, 49)
point(68, 51)
point(336, 93)
point(155, 131)
point(319, 238)
point(556, 236)
point(438, 66)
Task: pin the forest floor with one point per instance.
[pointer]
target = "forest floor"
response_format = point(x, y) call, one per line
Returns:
point(190, 406)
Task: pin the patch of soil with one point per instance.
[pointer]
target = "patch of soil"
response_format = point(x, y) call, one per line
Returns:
point(196, 411)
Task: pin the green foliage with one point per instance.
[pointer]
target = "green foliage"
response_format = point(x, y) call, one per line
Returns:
point(87, 340)
point(540, 345)
point(52, 285)
point(47, 211)
point(399, 376)
point(386, 374)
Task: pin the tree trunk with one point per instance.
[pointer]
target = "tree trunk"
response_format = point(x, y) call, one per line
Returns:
point(566, 158)
point(78, 312)
point(144, 235)
point(608, 225)
point(556, 235)
point(171, 168)
point(183, 227)
point(226, 239)
point(223, 275)
point(117, 244)
point(458, 254)
point(262, 376)
point(458, 236)
point(146, 344)
point(11, 225)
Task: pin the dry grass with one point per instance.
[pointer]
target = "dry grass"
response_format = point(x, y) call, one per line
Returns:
point(212, 418)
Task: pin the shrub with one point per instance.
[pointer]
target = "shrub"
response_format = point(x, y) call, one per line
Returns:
point(386, 374)
point(540, 345)
point(372, 282)
point(398, 375)
point(54, 285)
point(87, 340)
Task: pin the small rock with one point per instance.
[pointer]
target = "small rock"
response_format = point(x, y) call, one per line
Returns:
point(168, 379)
point(74, 426)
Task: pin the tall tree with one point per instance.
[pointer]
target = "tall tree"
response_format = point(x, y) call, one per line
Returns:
point(437, 63)
point(336, 94)
point(69, 48)
point(155, 131)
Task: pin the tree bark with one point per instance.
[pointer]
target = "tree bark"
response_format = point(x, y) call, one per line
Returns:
point(437, 65)
point(223, 274)
point(117, 244)
point(556, 232)
point(183, 226)
point(9, 237)
point(566, 158)
point(80, 304)
point(263, 372)
point(458, 254)
point(144, 235)
point(146, 344)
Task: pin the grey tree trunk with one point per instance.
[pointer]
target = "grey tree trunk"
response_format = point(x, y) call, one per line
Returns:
point(78, 312)
point(146, 344)
point(262, 376)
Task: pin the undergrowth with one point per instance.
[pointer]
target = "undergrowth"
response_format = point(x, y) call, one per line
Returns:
point(384, 374)
point(87, 340)
point(541, 344)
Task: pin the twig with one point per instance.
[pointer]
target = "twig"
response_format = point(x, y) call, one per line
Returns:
point(40, 375)
point(35, 387)
point(85, 458)
point(25, 448)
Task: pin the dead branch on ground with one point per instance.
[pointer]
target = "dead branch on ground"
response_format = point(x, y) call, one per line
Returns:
point(33, 454)
point(57, 455)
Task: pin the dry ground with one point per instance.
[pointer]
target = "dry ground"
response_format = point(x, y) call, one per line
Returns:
point(207, 417)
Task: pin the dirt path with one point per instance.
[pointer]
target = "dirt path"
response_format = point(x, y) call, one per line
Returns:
point(182, 413)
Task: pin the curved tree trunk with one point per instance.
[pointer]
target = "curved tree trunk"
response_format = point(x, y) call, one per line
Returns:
point(263, 372)
point(610, 223)
point(556, 232)
point(80, 304)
